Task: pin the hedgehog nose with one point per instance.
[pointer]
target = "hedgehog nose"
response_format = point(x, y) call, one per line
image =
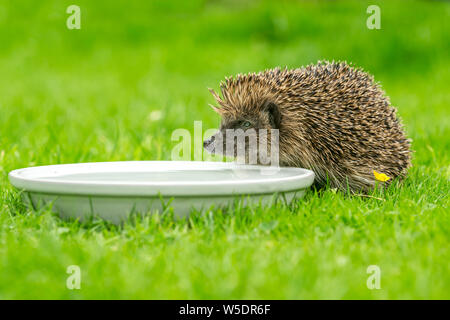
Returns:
point(207, 142)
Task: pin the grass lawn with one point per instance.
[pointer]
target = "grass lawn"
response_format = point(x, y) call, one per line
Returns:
point(91, 94)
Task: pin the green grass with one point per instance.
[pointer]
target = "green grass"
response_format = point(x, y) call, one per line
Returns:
point(85, 95)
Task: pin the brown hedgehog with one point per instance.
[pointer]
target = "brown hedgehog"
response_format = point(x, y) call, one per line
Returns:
point(332, 118)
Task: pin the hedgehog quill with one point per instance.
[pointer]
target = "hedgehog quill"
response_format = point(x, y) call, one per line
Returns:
point(332, 118)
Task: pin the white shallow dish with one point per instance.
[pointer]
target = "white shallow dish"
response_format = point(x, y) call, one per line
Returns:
point(112, 190)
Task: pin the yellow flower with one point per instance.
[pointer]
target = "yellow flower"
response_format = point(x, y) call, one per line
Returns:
point(380, 176)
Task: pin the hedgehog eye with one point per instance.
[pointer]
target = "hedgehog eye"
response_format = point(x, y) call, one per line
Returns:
point(246, 124)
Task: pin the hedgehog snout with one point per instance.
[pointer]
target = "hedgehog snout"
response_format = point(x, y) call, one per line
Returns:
point(209, 144)
point(208, 141)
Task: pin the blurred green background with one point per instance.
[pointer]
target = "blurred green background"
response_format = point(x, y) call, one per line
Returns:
point(91, 95)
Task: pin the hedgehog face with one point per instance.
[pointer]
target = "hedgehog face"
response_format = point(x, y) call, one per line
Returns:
point(244, 134)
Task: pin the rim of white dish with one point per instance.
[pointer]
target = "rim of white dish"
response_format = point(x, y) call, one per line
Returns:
point(43, 179)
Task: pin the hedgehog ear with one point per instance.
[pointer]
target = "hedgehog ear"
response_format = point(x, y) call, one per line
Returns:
point(274, 114)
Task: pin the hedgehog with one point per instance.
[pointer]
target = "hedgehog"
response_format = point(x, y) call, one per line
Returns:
point(331, 117)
